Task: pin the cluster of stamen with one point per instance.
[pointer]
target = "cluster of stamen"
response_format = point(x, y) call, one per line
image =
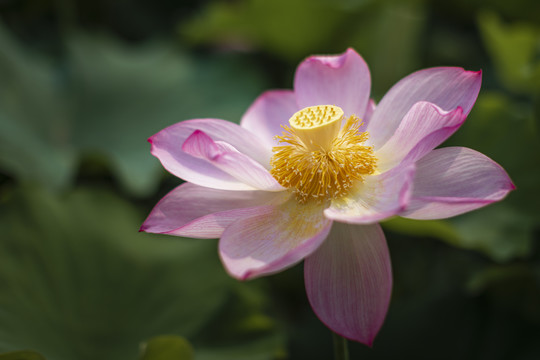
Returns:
point(321, 159)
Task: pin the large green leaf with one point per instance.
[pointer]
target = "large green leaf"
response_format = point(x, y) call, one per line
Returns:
point(106, 97)
point(79, 282)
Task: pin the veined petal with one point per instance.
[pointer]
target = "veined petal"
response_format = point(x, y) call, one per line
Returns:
point(378, 197)
point(200, 212)
point(269, 111)
point(446, 87)
point(349, 281)
point(272, 238)
point(231, 161)
point(424, 122)
point(167, 147)
point(454, 180)
point(343, 80)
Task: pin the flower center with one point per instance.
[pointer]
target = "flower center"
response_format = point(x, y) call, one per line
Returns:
point(320, 159)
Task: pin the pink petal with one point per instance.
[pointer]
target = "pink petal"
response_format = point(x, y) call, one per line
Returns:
point(446, 87)
point(341, 80)
point(167, 147)
point(272, 238)
point(266, 115)
point(226, 158)
point(349, 281)
point(196, 211)
point(378, 197)
point(451, 181)
point(425, 122)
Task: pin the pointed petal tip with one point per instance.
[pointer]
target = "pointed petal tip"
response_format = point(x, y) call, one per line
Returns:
point(195, 137)
point(368, 341)
point(474, 72)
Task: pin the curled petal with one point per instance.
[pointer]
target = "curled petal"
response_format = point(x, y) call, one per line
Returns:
point(426, 123)
point(199, 212)
point(341, 80)
point(226, 158)
point(378, 197)
point(272, 238)
point(349, 281)
point(454, 180)
point(167, 147)
point(266, 115)
point(446, 87)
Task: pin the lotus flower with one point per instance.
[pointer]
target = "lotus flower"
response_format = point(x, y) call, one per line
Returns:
point(309, 173)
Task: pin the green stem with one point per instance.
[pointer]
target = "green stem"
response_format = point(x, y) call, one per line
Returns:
point(341, 351)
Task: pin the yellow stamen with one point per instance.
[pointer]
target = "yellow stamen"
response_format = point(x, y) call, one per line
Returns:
point(320, 161)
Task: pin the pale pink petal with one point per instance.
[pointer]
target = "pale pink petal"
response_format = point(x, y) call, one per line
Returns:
point(446, 87)
point(266, 115)
point(341, 80)
point(424, 122)
point(349, 281)
point(196, 211)
point(167, 147)
point(454, 180)
point(377, 198)
point(226, 158)
point(272, 238)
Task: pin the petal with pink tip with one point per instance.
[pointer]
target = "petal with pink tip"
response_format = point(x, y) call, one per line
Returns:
point(349, 281)
point(268, 113)
point(376, 198)
point(454, 180)
point(343, 80)
point(425, 122)
point(226, 158)
point(446, 87)
point(272, 238)
point(196, 211)
point(167, 147)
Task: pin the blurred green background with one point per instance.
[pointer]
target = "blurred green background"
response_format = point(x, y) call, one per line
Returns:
point(84, 83)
